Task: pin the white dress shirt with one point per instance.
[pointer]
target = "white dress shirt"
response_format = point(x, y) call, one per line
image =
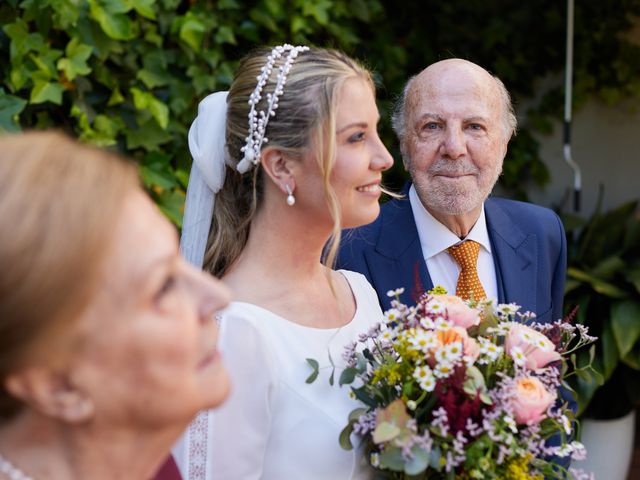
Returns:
point(435, 238)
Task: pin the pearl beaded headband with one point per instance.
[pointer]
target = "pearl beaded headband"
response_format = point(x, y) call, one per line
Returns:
point(258, 120)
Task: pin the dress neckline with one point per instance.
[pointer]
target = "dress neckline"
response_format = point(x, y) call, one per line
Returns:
point(334, 330)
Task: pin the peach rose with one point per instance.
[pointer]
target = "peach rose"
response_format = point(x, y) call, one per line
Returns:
point(458, 312)
point(536, 347)
point(531, 400)
point(470, 347)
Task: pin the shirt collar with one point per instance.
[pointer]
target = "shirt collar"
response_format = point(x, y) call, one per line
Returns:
point(435, 237)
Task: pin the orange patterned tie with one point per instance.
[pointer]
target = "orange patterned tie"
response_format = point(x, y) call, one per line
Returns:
point(466, 255)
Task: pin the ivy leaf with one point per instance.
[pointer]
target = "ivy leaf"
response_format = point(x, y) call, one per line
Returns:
point(75, 62)
point(144, 8)
point(10, 108)
point(318, 10)
point(154, 74)
point(46, 62)
point(149, 136)
point(225, 35)
point(111, 15)
point(46, 91)
point(192, 31)
point(66, 13)
point(171, 203)
point(146, 101)
point(19, 76)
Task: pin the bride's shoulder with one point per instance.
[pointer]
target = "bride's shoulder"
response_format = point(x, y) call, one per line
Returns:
point(360, 286)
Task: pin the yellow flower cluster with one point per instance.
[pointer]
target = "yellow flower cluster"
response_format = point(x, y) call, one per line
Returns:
point(518, 469)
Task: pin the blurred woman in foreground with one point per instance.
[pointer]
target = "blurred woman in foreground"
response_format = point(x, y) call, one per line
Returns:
point(107, 338)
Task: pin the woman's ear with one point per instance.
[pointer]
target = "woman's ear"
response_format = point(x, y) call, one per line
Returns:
point(51, 393)
point(279, 168)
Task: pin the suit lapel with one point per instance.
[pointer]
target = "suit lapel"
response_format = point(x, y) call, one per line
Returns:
point(515, 258)
point(397, 259)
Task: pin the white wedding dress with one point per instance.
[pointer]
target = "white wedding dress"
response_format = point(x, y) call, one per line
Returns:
point(274, 426)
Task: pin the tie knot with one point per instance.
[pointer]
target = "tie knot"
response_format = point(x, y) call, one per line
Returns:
point(465, 253)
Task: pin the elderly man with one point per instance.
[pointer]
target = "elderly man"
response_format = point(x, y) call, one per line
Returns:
point(454, 122)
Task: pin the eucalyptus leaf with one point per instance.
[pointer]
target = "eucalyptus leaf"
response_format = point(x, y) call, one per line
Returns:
point(345, 437)
point(347, 376)
point(315, 367)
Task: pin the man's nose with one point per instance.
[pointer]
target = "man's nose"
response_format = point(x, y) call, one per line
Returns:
point(453, 144)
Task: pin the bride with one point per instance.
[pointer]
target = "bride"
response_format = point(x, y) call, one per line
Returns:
point(300, 159)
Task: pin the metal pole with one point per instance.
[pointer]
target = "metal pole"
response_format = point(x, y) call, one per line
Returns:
point(568, 92)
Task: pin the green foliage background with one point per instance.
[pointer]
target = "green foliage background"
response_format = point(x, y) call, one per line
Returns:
point(128, 74)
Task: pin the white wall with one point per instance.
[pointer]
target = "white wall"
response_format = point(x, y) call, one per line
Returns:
point(606, 145)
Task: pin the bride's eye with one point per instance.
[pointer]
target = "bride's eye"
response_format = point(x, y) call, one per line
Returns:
point(356, 137)
point(167, 286)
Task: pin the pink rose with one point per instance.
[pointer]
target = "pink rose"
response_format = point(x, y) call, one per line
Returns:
point(537, 349)
point(458, 312)
point(531, 400)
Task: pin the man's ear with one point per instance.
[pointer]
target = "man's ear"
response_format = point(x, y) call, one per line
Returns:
point(51, 393)
point(279, 168)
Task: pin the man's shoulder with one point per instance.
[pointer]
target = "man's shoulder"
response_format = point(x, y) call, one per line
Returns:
point(517, 208)
point(528, 217)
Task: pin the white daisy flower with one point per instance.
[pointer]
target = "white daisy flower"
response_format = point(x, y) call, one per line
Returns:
point(396, 292)
point(422, 340)
point(443, 370)
point(518, 356)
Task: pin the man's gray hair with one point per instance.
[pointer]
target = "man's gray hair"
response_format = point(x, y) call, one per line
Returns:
point(399, 115)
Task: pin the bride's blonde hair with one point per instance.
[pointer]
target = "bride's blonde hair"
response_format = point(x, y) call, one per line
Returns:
point(306, 116)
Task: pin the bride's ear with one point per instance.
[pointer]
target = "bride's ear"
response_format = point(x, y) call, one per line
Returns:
point(279, 167)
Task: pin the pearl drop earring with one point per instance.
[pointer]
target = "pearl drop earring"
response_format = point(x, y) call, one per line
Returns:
point(291, 200)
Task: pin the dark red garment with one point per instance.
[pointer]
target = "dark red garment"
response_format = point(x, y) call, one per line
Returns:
point(168, 471)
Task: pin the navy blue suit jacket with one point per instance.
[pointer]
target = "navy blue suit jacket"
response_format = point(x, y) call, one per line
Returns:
point(528, 245)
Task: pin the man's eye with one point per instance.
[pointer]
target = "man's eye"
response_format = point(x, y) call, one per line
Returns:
point(430, 126)
point(475, 126)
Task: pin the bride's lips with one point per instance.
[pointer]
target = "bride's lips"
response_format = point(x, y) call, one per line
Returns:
point(212, 357)
point(372, 188)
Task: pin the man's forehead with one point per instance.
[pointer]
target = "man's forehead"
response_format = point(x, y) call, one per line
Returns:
point(466, 94)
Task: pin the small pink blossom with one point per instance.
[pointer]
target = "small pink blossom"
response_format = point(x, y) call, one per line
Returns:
point(531, 400)
point(536, 347)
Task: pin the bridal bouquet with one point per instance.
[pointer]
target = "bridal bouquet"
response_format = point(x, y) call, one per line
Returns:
point(457, 390)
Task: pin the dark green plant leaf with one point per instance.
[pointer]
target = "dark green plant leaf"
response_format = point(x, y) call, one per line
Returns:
point(625, 324)
point(610, 354)
point(600, 286)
